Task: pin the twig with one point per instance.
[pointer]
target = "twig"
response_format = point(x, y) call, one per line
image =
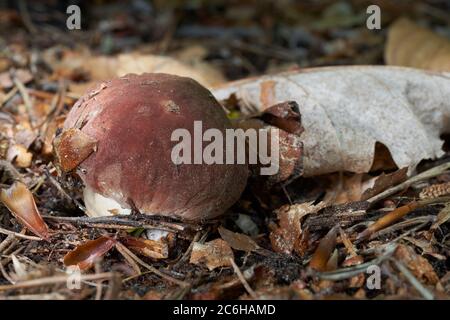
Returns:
point(396, 215)
point(149, 267)
point(19, 235)
point(5, 275)
point(185, 256)
point(349, 272)
point(7, 166)
point(130, 260)
point(25, 15)
point(26, 98)
point(242, 279)
point(414, 282)
point(11, 93)
point(115, 222)
point(54, 280)
point(5, 243)
point(63, 192)
point(430, 173)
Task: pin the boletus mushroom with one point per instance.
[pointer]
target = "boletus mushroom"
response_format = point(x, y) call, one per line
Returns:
point(117, 139)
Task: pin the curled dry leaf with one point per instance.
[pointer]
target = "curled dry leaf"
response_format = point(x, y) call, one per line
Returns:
point(238, 241)
point(359, 187)
point(382, 182)
point(214, 254)
point(347, 110)
point(19, 155)
point(157, 249)
point(20, 202)
point(72, 147)
point(85, 255)
point(411, 45)
point(287, 236)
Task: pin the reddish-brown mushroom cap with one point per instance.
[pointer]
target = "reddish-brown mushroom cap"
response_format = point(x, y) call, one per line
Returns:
point(131, 119)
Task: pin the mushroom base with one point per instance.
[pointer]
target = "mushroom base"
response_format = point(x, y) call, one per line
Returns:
point(100, 206)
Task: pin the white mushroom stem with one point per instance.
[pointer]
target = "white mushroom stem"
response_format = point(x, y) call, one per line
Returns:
point(100, 206)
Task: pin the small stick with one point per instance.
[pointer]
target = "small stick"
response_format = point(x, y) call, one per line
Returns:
point(26, 98)
point(242, 279)
point(149, 267)
point(18, 235)
point(414, 282)
point(324, 250)
point(396, 215)
point(114, 222)
point(54, 280)
point(8, 96)
point(430, 173)
point(130, 260)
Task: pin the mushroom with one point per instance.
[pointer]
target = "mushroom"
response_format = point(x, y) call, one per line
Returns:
point(117, 138)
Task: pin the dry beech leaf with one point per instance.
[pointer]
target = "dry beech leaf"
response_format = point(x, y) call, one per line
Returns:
point(384, 181)
point(346, 110)
point(102, 68)
point(238, 241)
point(72, 147)
point(20, 201)
point(287, 236)
point(359, 187)
point(157, 249)
point(214, 254)
point(85, 255)
point(411, 45)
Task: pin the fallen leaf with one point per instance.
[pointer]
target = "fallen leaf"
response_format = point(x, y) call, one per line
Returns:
point(442, 217)
point(85, 255)
point(411, 45)
point(214, 254)
point(287, 234)
point(20, 202)
point(101, 68)
point(238, 241)
point(382, 182)
point(347, 110)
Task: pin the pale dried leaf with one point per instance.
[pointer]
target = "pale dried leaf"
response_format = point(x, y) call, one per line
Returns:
point(347, 110)
point(214, 254)
point(238, 241)
point(284, 237)
point(411, 45)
